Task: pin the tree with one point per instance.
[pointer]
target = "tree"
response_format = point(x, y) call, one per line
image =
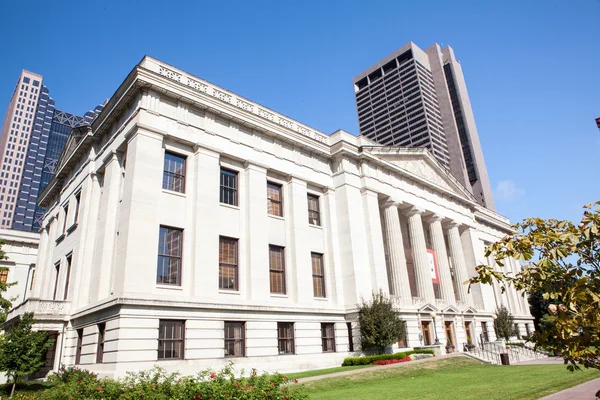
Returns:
point(22, 350)
point(5, 304)
point(379, 323)
point(504, 324)
point(564, 265)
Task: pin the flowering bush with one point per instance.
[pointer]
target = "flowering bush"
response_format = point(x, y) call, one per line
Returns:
point(157, 384)
point(387, 362)
point(366, 360)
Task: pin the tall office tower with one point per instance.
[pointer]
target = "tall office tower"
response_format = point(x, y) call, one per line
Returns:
point(416, 98)
point(32, 138)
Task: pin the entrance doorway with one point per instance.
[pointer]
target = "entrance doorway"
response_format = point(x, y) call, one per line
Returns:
point(425, 328)
point(449, 325)
point(468, 332)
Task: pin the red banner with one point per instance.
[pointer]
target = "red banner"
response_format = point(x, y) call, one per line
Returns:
point(435, 274)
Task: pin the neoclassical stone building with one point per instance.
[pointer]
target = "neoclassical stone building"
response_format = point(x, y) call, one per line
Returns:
point(189, 226)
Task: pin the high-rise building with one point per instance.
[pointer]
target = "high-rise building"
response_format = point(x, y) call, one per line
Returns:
point(32, 138)
point(416, 98)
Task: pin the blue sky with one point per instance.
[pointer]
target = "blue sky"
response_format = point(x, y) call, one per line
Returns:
point(532, 69)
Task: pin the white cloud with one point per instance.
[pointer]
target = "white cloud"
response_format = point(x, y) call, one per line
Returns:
point(508, 191)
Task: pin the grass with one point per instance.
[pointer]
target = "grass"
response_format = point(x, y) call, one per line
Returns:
point(325, 371)
point(452, 378)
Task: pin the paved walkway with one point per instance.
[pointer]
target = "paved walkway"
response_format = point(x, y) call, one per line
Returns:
point(545, 360)
point(376, 368)
point(585, 391)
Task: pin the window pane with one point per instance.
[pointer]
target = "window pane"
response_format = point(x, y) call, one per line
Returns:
point(274, 199)
point(228, 188)
point(228, 263)
point(174, 173)
point(169, 256)
point(277, 269)
point(318, 275)
point(234, 339)
point(171, 339)
point(314, 217)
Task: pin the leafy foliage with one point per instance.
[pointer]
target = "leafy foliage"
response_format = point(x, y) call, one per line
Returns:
point(564, 266)
point(379, 323)
point(504, 324)
point(22, 350)
point(365, 360)
point(157, 384)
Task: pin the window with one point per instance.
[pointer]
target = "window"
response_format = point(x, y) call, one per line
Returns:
point(68, 280)
point(169, 256)
point(66, 213)
point(328, 338)
point(285, 337)
point(228, 193)
point(32, 278)
point(100, 349)
point(350, 337)
point(277, 269)
point(4, 275)
point(79, 346)
point(318, 275)
point(314, 216)
point(171, 339)
point(403, 340)
point(77, 204)
point(174, 173)
point(484, 332)
point(228, 263)
point(57, 270)
point(274, 206)
point(235, 339)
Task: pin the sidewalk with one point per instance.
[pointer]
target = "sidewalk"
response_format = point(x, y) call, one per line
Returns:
point(585, 391)
point(376, 368)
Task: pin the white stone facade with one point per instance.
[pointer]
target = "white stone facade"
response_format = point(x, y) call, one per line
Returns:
point(380, 210)
point(20, 250)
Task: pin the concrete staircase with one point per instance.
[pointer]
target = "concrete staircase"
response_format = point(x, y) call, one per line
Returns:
point(494, 352)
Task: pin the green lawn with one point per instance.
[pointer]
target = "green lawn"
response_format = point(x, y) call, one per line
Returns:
point(326, 371)
point(452, 378)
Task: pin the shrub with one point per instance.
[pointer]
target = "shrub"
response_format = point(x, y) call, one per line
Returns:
point(157, 384)
point(366, 360)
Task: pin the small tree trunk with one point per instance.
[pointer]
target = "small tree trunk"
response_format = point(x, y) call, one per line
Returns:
point(12, 391)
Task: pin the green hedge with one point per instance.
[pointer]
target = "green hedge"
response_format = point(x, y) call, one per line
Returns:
point(365, 360)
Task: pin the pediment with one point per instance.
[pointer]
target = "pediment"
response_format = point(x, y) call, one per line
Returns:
point(451, 310)
point(426, 308)
point(75, 136)
point(422, 166)
point(470, 310)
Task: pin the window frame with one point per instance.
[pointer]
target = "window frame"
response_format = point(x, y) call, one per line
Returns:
point(232, 191)
point(234, 266)
point(310, 197)
point(288, 340)
point(178, 325)
point(69, 261)
point(272, 202)
point(242, 339)
point(77, 205)
point(100, 344)
point(56, 280)
point(179, 257)
point(328, 340)
point(321, 276)
point(278, 272)
point(4, 275)
point(79, 347)
point(172, 174)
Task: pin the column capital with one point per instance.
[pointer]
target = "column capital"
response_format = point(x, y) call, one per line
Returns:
point(391, 203)
point(255, 166)
point(414, 210)
point(435, 218)
point(452, 224)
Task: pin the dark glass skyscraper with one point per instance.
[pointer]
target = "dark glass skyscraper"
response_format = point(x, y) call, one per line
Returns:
point(33, 136)
point(45, 147)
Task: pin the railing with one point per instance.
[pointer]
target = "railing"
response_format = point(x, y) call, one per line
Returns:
point(483, 353)
point(513, 355)
point(530, 352)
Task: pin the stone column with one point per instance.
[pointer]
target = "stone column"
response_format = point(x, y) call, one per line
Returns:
point(460, 266)
point(397, 272)
point(439, 246)
point(419, 247)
